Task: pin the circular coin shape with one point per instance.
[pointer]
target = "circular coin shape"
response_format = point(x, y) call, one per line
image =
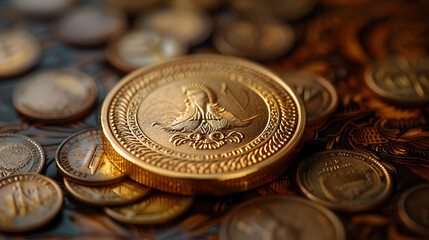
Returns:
point(19, 52)
point(344, 180)
point(123, 192)
point(318, 94)
point(281, 217)
point(205, 124)
point(55, 95)
point(400, 80)
point(42, 8)
point(142, 48)
point(413, 207)
point(28, 201)
point(82, 159)
point(20, 154)
point(155, 209)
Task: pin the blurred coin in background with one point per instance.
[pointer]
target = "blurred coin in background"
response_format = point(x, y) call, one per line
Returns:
point(42, 8)
point(413, 208)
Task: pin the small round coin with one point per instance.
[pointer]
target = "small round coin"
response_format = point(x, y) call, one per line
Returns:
point(344, 180)
point(281, 217)
point(155, 209)
point(403, 81)
point(413, 208)
point(82, 159)
point(19, 52)
point(123, 192)
point(142, 48)
point(55, 95)
point(318, 94)
point(20, 154)
point(28, 201)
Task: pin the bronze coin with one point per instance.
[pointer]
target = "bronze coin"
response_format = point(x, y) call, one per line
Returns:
point(413, 208)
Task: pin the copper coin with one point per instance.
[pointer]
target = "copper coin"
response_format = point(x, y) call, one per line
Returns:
point(413, 208)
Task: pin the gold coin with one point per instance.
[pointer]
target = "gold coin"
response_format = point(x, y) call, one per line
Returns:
point(43, 8)
point(205, 124)
point(28, 201)
point(400, 80)
point(82, 159)
point(154, 209)
point(19, 52)
point(413, 208)
point(142, 48)
point(344, 180)
point(55, 95)
point(281, 217)
point(20, 154)
point(318, 94)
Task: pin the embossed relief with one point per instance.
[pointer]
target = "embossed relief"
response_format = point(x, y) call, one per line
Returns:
point(13, 157)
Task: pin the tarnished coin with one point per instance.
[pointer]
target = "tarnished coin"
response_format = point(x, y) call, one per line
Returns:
point(262, 41)
point(413, 208)
point(19, 52)
point(82, 159)
point(400, 80)
point(20, 154)
point(142, 48)
point(281, 217)
point(28, 201)
point(42, 8)
point(55, 95)
point(91, 26)
point(344, 180)
point(319, 95)
point(205, 124)
point(156, 208)
point(123, 192)
point(190, 24)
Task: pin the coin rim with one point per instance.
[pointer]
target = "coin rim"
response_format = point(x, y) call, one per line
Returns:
point(403, 215)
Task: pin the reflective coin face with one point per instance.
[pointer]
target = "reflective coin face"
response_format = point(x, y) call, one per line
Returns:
point(205, 121)
point(142, 48)
point(20, 154)
point(400, 80)
point(414, 207)
point(28, 201)
point(344, 180)
point(281, 217)
point(154, 209)
point(81, 158)
point(55, 95)
point(42, 8)
point(122, 192)
point(19, 52)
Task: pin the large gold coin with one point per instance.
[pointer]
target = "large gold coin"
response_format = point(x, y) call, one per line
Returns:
point(28, 201)
point(204, 124)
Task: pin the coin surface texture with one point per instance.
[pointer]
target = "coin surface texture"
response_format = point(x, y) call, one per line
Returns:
point(281, 217)
point(318, 94)
point(344, 180)
point(205, 124)
point(414, 207)
point(142, 48)
point(400, 80)
point(155, 209)
point(55, 95)
point(19, 52)
point(123, 192)
point(82, 159)
point(28, 201)
point(20, 154)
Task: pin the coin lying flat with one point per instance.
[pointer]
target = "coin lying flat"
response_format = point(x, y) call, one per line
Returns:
point(42, 8)
point(281, 217)
point(19, 52)
point(205, 124)
point(319, 95)
point(400, 80)
point(28, 201)
point(413, 208)
point(344, 180)
point(55, 95)
point(20, 154)
point(142, 48)
point(82, 159)
point(154, 209)
point(122, 192)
